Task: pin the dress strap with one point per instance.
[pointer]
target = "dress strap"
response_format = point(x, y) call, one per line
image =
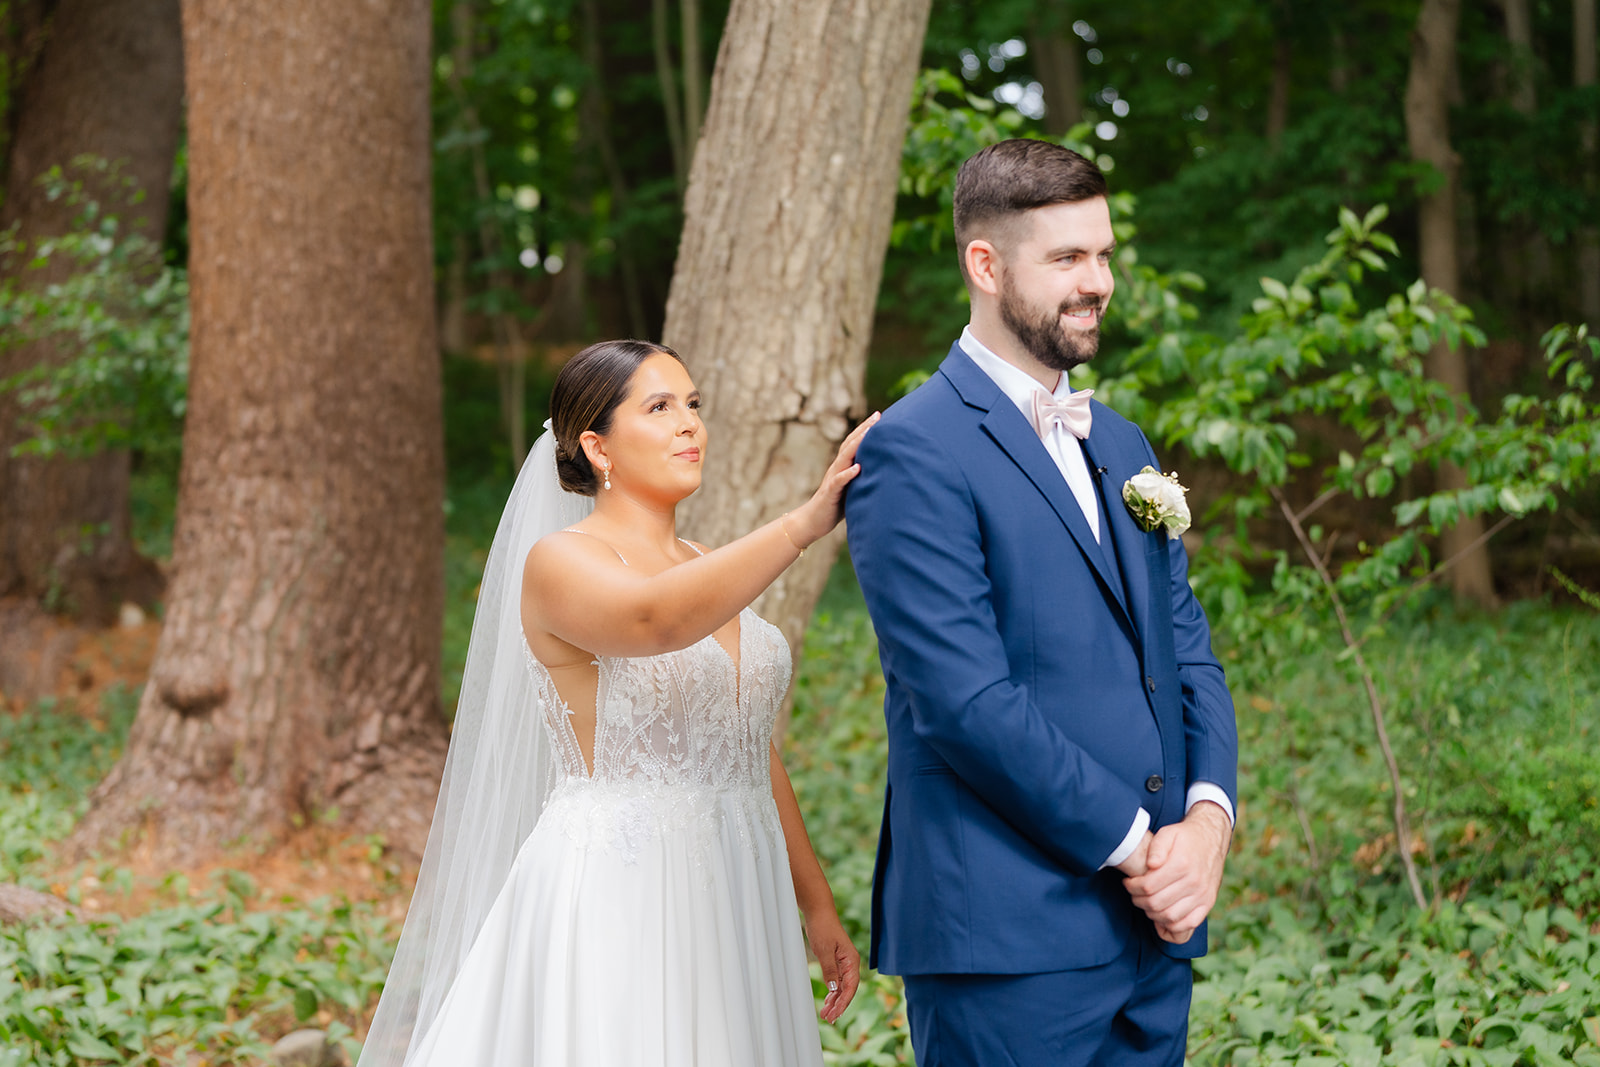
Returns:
point(603, 541)
point(691, 545)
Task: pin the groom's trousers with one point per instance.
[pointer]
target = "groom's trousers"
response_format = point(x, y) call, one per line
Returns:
point(1131, 1012)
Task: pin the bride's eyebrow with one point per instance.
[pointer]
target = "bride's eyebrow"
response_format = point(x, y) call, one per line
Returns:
point(664, 395)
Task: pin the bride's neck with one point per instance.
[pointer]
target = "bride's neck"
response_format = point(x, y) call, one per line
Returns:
point(643, 521)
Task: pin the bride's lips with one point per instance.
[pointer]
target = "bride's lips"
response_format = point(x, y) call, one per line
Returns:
point(690, 454)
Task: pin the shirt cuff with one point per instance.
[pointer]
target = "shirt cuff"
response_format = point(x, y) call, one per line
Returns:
point(1141, 823)
point(1208, 791)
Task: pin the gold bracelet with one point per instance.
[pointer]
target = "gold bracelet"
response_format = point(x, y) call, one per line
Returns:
point(783, 524)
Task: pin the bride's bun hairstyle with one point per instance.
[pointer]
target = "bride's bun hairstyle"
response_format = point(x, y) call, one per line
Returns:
point(586, 394)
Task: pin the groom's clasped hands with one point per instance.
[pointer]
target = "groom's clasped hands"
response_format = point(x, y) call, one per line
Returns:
point(1174, 874)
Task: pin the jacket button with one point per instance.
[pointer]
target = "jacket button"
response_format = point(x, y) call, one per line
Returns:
point(1150, 682)
point(1153, 783)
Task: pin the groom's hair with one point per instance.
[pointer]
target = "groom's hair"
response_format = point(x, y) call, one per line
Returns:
point(998, 185)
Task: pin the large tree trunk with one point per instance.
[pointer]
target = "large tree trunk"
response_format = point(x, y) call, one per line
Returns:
point(109, 83)
point(1427, 110)
point(298, 671)
point(1583, 75)
point(785, 227)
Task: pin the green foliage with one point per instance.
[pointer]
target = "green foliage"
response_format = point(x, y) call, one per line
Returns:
point(49, 759)
point(1489, 986)
point(1319, 956)
point(115, 315)
point(200, 980)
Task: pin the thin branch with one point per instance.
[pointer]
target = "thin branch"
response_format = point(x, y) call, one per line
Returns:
point(1402, 825)
point(1316, 505)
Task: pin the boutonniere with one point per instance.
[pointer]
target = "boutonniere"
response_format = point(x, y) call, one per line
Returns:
point(1157, 499)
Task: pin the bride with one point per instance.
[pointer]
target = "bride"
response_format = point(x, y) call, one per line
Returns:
point(617, 866)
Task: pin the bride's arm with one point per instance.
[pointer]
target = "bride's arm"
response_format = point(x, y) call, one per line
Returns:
point(841, 963)
point(577, 589)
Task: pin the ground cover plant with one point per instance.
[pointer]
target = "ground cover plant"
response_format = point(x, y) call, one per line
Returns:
point(1320, 955)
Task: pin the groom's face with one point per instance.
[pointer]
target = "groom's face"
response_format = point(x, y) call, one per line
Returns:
point(1055, 281)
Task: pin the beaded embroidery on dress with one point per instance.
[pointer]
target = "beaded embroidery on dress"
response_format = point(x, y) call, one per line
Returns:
point(649, 919)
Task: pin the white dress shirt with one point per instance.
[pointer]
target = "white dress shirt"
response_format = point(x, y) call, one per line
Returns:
point(1067, 451)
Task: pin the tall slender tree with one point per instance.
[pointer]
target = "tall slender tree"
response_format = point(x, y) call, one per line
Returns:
point(1583, 76)
point(1427, 112)
point(787, 220)
point(298, 671)
point(1055, 50)
point(108, 82)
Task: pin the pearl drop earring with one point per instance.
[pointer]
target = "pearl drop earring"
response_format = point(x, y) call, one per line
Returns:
point(607, 472)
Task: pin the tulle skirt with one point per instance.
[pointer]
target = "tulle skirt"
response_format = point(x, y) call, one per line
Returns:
point(638, 928)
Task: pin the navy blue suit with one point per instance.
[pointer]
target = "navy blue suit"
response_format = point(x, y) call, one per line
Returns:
point(1041, 686)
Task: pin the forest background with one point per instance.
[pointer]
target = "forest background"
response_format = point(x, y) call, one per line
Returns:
point(283, 289)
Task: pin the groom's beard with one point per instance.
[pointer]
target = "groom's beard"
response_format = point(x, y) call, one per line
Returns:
point(1043, 335)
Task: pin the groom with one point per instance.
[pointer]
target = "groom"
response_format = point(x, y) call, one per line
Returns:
point(1062, 749)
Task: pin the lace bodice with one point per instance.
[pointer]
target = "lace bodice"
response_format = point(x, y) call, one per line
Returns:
point(684, 718)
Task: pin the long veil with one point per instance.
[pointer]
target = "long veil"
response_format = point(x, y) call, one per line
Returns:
point(497, 775)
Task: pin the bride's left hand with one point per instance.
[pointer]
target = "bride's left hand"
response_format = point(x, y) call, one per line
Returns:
point(841, 963)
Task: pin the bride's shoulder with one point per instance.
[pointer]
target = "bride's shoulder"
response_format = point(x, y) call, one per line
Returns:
point(566, 553)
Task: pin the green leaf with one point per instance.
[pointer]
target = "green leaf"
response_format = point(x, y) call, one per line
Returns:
point(1275, 289)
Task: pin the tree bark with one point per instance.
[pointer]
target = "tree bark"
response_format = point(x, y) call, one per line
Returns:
point(109, 83)
point(1427, 111)
point(1278, 96)
point(694, 80)
point(1583, 75)
point(1056, 62)
point(596, 119)
point(23, 32)
point(786, 224)
point(297, 675)
point(668, 83)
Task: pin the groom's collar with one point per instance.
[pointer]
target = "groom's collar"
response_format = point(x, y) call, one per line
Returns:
point(975, 388)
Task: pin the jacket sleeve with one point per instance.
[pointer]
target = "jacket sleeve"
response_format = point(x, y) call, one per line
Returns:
point(915, 540)
point(1210, 732)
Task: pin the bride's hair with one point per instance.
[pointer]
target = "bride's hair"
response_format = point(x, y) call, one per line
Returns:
point(586, 395)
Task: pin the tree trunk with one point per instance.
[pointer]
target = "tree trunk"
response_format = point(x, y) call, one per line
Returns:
point(510, 346)
point(1056, 62)
point(1528, 254)
point(694, 80)
point(23, 32)
point(596, 119)
point(1278, 96)
point(1427, 110)
point(109, 83)
point(1583, 75)
point(785, 227)
point(668, 83)
point(298, 671)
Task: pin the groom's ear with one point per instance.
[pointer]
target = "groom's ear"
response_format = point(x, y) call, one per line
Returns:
point(980, 262)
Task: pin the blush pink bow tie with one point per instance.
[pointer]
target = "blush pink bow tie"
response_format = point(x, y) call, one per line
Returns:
point(1073, 412)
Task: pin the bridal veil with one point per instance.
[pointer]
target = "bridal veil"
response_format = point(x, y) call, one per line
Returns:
point(497, 776)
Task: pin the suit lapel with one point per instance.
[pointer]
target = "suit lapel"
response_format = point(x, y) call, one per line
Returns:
point(1007, 427)
point(1129, 540)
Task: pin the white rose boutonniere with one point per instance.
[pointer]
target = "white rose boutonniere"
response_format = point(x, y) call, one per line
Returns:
point(1157, 499)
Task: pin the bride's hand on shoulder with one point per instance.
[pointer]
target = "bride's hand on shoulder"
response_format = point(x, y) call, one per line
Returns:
point(813, 519)
point(841, 963)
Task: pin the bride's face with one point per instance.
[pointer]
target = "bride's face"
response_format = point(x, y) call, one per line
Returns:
point(657, 442)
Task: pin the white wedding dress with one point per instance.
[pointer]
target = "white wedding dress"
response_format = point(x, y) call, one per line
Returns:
point(649, 919)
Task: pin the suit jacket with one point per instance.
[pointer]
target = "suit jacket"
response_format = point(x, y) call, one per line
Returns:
point(1040, 686)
